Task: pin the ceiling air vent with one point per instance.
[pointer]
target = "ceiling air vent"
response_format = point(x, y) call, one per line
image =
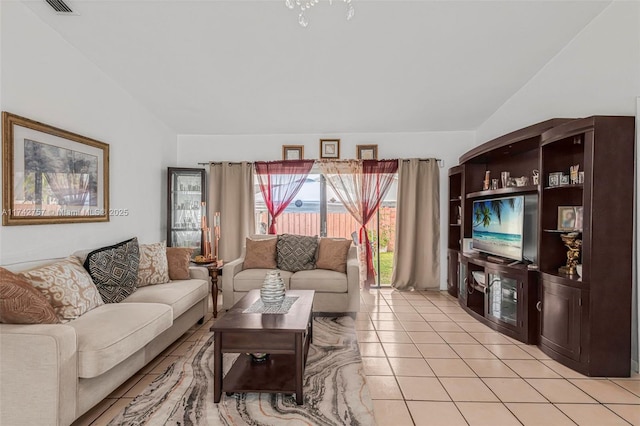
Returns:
point(60, 6)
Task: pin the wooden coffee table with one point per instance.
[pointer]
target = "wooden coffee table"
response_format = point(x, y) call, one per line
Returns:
point(285, 337)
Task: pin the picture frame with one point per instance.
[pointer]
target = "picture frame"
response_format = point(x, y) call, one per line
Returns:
point(52, 176)
point(570, 218)
point(292, 152)
point(367, 152)
point(554, 178)
point(330, 148)
point(564, 179)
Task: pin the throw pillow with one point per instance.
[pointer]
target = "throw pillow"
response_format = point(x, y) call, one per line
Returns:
point(22, 303)
point(153, 267)
point(114, 270)
point(332, 254)
point(261, 254)
point(67, 286)
point(296, 252)
point(178, 259)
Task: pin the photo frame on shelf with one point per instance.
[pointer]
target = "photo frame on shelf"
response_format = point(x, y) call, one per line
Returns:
point(330, 148)
point(50, 175)
point(367, 152)
point(292, 152)
point(554, 178)
point(570, 218)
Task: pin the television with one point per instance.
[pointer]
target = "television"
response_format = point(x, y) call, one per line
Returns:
point(505, 227)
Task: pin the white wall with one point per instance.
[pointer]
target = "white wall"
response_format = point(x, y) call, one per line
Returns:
point(46, 79)
point(598, 72)
point(447, 146)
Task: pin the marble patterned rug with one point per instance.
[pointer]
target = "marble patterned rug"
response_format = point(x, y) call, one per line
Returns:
point(335, 390)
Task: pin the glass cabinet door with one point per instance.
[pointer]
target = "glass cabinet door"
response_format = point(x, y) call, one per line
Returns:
point(462, 281)
point(186, 208)
point(502, 295)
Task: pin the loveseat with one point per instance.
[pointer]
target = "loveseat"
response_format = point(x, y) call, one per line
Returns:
point(51, 374)
point(336, 292)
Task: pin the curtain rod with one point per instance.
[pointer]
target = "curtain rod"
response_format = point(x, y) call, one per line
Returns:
point(439, 160)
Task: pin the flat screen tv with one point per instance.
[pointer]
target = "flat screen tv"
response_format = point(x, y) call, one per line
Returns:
point(498, 226)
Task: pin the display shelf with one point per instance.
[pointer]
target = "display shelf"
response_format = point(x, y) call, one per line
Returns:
point(185, 189)
point(569, 186)
point(512, 190)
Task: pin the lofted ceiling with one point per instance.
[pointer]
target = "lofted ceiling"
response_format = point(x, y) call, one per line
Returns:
point(248, 67)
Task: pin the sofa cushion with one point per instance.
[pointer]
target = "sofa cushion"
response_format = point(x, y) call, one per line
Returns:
point(332, 254)
point(250, 279)
point(296, 252)
point(67, 286)
point(260, 254)
point(178, 259)
point(114, 270)
point(22, 303)
point(111, 333)
point(320, 280)
point(153, 267)
point(180, 295)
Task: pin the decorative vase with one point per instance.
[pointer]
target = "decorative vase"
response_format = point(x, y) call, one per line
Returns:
point(272, 291)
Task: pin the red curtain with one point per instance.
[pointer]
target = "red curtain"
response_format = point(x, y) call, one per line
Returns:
point(377, 176)
point(280, 181)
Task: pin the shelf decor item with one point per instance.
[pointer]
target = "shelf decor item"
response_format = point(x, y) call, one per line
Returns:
point(568, 218)
point(504, 177)
point(573, 245)
point(554, 178)
point(487, 179)
point(272, 291)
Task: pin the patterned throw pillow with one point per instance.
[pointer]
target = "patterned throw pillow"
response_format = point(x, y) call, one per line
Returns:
point(178, 259)
point(22, 303)
point(261, 254)
point(153, 267)
point(67, 286)
point(332, 254)
point(296, 252)
point(114, 270)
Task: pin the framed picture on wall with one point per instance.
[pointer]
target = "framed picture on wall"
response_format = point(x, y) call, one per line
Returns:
point(330, 148)
point(367, 152)
point(50, 175)
point(292, 152)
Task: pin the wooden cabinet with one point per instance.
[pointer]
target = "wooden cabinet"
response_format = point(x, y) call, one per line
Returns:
point(582, 321)
point(501, 296)
point(560, 319)
point(454, 227)
point(586, 320)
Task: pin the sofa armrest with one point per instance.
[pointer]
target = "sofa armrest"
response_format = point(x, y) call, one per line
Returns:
point(229, 271)
point(198, 273)
point(38, 374)
point(353, 280)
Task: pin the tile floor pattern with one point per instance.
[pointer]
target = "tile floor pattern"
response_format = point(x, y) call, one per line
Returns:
point(430, 363)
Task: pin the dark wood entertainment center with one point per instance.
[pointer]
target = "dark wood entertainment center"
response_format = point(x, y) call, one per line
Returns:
point(584, 321)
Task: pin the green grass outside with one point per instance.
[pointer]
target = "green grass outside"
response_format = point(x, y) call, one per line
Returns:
point(386, 266)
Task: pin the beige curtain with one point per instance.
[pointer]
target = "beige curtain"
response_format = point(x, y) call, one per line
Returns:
point(416, 264)
point(231, 193)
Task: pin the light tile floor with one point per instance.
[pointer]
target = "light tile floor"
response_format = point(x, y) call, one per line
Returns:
point(430, 363)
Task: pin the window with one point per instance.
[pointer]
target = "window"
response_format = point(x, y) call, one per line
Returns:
point(316, 210)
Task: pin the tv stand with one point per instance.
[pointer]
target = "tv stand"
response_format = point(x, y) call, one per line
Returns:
point(513, 285)
point(497, 259)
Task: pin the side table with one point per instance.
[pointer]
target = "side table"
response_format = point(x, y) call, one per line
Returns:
point(215, 270)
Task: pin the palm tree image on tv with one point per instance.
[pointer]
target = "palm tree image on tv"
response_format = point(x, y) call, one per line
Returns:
point(497, 226)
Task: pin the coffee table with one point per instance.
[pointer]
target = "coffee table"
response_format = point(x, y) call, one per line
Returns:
point(285, 337)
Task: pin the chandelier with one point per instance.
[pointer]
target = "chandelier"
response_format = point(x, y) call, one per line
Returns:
point(304, 5)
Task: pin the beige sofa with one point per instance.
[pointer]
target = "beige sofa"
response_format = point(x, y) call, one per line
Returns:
point(51, 374)
point(336, 292)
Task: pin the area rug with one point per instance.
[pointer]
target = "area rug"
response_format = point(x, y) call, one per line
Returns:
point(335, 390)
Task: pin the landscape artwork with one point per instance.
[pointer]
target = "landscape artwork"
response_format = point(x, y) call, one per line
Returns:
point(497, 226)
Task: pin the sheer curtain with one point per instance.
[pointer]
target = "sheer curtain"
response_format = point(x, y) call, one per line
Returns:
point(361, 186)
point(280, 181)
point(231, 194)
point(416, 264)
